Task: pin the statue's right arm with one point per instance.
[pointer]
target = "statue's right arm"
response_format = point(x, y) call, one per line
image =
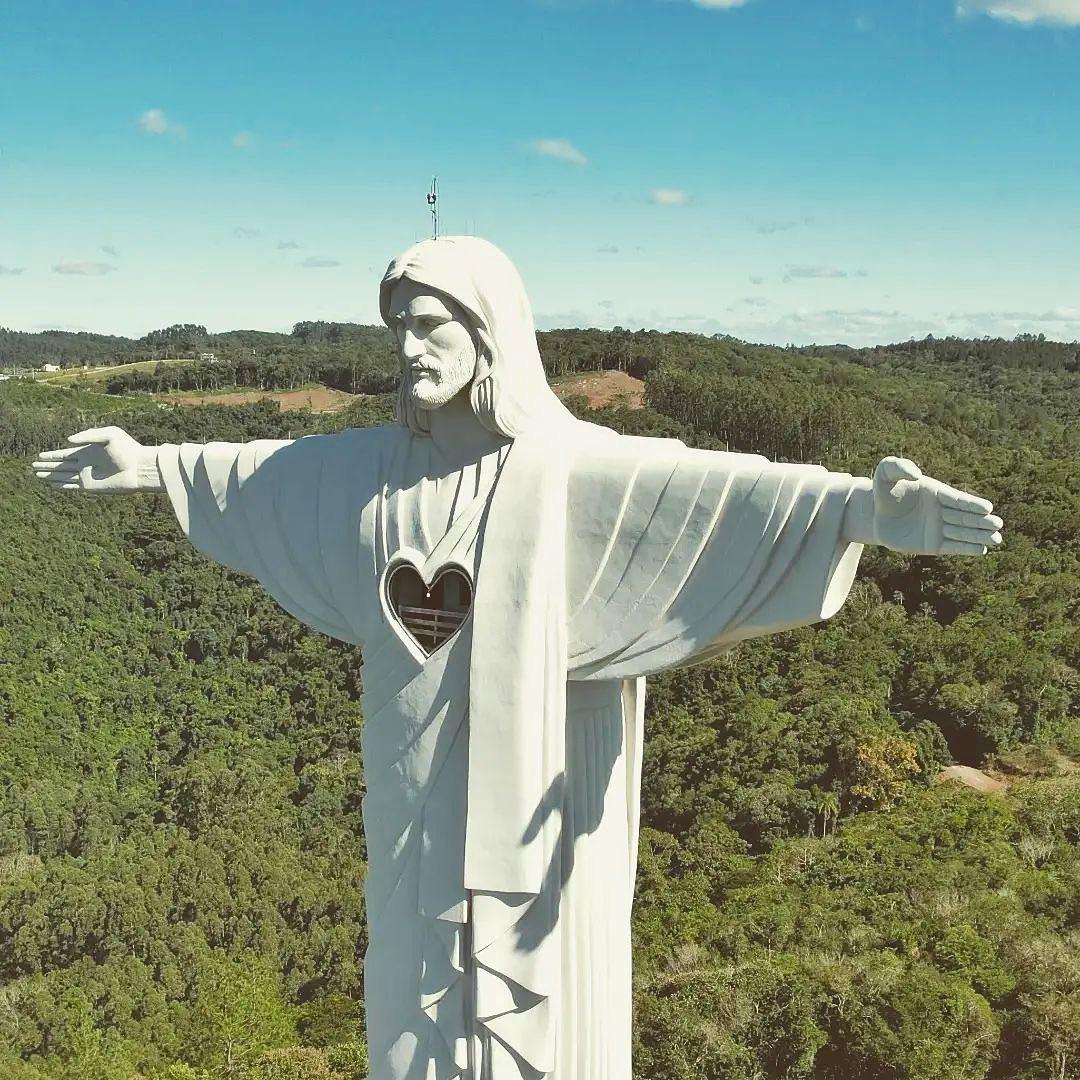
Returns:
point(104, 461)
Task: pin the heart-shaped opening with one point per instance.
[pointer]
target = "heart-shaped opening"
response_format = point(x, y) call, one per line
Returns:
point(431, 614)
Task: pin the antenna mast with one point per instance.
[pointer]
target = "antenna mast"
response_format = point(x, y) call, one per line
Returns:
point(433, 202)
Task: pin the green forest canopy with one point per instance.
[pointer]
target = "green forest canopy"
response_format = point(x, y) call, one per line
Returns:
point(181, 857)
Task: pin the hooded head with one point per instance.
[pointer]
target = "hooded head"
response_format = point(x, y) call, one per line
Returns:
point(509, 393)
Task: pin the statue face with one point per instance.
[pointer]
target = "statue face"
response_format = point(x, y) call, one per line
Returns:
point(435, 342)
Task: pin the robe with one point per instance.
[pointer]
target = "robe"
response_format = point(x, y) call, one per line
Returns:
point(503, 770)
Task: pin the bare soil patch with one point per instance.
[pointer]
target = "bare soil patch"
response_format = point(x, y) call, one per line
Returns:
point(972, 778)
point(319, 399)
point(605, 388)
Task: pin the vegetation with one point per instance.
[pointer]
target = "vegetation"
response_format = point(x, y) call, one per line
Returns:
point(181, 855)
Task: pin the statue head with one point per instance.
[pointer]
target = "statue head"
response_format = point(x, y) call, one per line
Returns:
point(463, 321)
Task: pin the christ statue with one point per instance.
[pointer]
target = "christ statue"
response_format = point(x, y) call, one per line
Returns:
point(512, 574)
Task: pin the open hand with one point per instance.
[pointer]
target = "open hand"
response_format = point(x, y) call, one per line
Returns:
point(915, 513)
point(101, 460)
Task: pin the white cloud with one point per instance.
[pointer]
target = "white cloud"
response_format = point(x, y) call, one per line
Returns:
point(288, 245)
point(768, 226)
point(561, 149)
point(669, 197)
point(856, 326)
point(244, 140)
point(155, 122)
point(723, 5)
point(315, 262)
point(793, 272)
point(83, 269)
point(11, 271)
point(242, 233)
point(1024, 12)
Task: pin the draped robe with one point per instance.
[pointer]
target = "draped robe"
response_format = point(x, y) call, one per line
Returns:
point(503, 770)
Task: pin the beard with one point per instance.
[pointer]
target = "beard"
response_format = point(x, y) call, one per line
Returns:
point(440, 381)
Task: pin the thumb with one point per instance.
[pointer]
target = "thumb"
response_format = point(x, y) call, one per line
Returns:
point(98, 435)
point(892, 469)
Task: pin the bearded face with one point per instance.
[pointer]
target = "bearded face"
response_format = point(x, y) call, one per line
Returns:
point(435, 343)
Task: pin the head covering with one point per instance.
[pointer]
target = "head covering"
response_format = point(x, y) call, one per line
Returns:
point(509, 394)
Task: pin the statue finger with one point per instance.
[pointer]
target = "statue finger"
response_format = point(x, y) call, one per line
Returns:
point(898, 468)
point(94, 435)
point(971, 519)
point(972, 536)
point(961, 547)
point(55, 467)
point(56, 455)
point(962, 500)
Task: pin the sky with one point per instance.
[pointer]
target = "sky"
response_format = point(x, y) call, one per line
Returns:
point(856, 171)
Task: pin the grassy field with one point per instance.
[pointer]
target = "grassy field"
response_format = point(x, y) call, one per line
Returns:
point(98, 374)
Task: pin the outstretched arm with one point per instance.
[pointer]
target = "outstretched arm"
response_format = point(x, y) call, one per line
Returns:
point(104, 461)
point(904, 510)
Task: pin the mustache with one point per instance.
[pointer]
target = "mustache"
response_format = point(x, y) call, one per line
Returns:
point(427, 364)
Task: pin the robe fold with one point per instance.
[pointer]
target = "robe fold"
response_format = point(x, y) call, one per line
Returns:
point(503, 771)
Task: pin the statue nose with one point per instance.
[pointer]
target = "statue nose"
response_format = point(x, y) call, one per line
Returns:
point(412, 348)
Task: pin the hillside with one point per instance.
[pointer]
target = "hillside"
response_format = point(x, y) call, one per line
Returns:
point(181, 855)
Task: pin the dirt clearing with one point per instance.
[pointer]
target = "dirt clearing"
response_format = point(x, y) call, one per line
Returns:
point(319, 399)
point(605, 388)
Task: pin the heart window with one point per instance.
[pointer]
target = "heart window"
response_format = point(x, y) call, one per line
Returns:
point(431, 614)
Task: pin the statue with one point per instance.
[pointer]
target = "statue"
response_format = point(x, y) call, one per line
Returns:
point(512, 575)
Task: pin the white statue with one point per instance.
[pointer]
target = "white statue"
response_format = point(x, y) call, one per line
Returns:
point(512, 574)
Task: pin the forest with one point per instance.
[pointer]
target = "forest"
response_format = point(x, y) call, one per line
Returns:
point(181, 851)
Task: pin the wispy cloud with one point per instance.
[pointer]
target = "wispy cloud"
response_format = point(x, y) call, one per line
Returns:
point(561, 149)
point(1024, 12)
point(11, 271)
point(155, 122)
point(768, 226)
point(244, 140)
point(793, 272)
point(722, 5)
point(243, 233)
point(83, 269)
point(288, 245)
point(608, 249)
point(315, 262)
point(755, 279)
point(108, 249)
point(755, 301)
point(669, 197)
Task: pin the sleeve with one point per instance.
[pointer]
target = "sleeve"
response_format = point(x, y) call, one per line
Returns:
point(277, 511)
point(675, 554)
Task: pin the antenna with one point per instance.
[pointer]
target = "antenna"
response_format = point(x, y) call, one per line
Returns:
point(433, 202)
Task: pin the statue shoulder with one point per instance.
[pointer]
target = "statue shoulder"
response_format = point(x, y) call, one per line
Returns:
point(356, 438)
point(594, 446)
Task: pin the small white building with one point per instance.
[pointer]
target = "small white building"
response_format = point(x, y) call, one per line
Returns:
point(50, 367)
point(208, 357)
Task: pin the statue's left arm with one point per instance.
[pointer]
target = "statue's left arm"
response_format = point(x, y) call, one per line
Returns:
point(675, 554)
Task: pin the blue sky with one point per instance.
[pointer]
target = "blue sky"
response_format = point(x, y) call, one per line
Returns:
point(784, 170)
